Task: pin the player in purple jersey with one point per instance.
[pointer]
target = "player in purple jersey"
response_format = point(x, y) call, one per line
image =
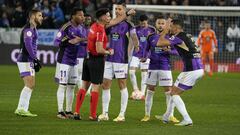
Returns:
point(193, 69)
point(82, 48)
point(143, 30)
point(68, 38)
point(159, 70)
point(117, 65)
point(27, 61)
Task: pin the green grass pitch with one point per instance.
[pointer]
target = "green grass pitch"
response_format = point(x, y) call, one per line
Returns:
point(213, 104)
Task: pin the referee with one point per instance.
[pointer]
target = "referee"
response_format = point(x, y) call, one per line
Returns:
point(93, 65)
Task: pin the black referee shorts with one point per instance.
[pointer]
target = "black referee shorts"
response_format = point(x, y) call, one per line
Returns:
point(93, 69)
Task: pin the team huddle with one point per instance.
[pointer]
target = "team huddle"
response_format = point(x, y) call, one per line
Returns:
point(92, 54)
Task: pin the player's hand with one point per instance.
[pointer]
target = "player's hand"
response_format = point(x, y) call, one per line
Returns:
point(37, 65)
point(166, 48)
point(136, 49)
point(143, 59)
point(74, 40)
point(215, 50)
point(111, 51)
point(131, 12)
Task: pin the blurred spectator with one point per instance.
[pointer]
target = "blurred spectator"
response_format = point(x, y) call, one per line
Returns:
point(4, 21)
point(233, 31)
point(56, 14)
point(47, 20)
point(19, 17)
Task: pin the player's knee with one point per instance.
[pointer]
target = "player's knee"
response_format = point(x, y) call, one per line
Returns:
point(151, 87)
point(122, 83)
point(106, 84)
point(30, 85)
point(167, 89)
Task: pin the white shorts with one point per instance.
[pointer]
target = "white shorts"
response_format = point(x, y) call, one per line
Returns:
point(26, 69)
point(164, 77)
point(135, 62)
point(66, 74)
point(186, 80)
point(115, 70)
point(80, 66)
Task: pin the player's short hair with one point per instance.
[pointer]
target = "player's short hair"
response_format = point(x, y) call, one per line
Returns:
point(178, 22)
point(75, 10)
point(101, 12)
point(33, 12)
point(121, 2)
point(160, 17)
point(143, 17)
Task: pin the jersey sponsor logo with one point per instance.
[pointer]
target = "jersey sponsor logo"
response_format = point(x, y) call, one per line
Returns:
point(29, 33)
point(143, 39)
point(115, 36)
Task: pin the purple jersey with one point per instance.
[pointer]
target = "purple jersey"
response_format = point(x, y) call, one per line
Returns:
point(188, 51)
point(159, 59)
point(67, 53)
point(118, 41)
point(82, 48)
point(142, 33)
point(28, 44)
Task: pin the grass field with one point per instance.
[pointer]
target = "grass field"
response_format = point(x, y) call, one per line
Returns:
point(213, 104)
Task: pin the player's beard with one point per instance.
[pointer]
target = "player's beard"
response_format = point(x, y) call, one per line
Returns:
point(38, 22)
point(160, 30)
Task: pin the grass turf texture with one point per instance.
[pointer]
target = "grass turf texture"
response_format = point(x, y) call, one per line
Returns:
point(213, 104)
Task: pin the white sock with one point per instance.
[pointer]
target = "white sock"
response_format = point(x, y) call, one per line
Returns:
point(148, 102)
point(181, 107)
point(124, 101)
point(106, 97)
point(143, 82)
point(69, 97)
point(60, 97)
point(79, 82)
point(24, 98)
point(169, 105)
point(133, 79)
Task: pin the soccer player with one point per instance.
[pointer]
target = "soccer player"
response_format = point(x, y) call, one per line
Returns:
point(193, 69)
point(208, 43)
point(159, 69)
point(117, 65)
point(93, 65)
point(143, 30)
point(68, 37)
point(82, 48)
point(27, 61)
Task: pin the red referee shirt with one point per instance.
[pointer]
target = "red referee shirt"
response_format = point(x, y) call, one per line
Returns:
point(96, 34)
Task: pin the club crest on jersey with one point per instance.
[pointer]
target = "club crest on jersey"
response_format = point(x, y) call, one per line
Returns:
point(29, 33)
